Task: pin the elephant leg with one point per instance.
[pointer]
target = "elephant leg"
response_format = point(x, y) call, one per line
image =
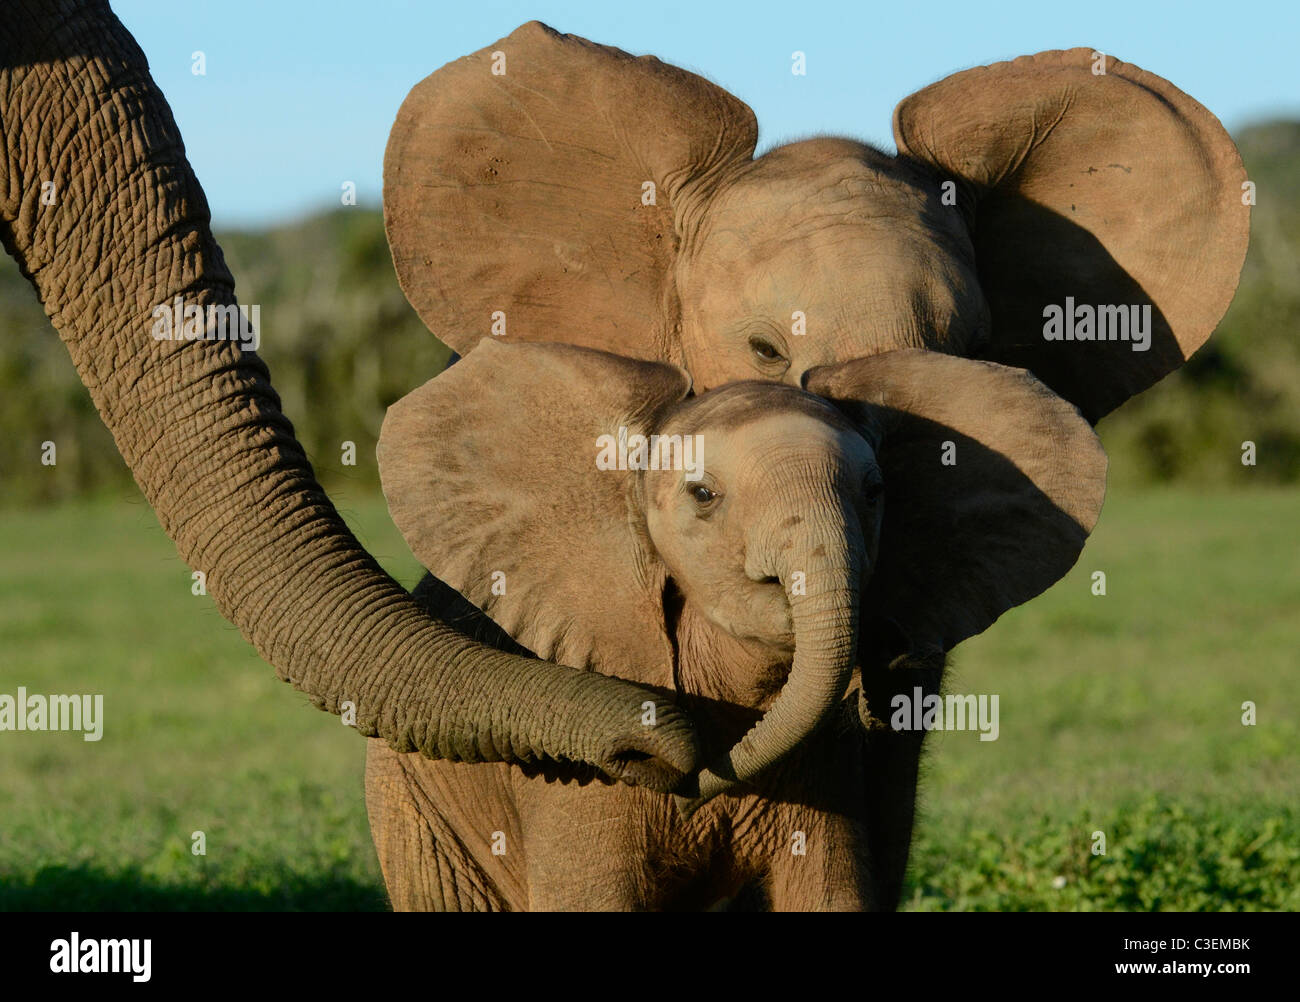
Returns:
point(594, 847)
point(892, 764)
point(427, 865)
point(890, 797)
point(831, 874)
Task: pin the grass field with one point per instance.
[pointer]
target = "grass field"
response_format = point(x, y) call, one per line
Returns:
point(1120, 714)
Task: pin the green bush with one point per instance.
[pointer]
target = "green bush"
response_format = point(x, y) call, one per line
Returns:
point(1160, 856)
point(341, 342)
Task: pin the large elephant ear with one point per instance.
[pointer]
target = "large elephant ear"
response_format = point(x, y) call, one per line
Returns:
point(992, 484)
point(536, 184)
point(1090, 178)
point(491, 475)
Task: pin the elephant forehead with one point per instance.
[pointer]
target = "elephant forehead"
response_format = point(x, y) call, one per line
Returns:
point(826, 169)
point(768, 229)
point(758, 458)
point(800, 189)
point(859, 273)
point(854, 286)
point(785, 450)
point(851, 290)
point(839, 241)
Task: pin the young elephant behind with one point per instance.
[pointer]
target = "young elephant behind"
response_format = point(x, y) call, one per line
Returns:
point(758, 553)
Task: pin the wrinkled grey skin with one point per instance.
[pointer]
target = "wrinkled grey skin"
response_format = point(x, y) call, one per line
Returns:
point(201, 427)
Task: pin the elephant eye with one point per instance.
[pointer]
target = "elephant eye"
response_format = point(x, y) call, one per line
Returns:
point(765, 350)
point(702, 495)
point(872, 488)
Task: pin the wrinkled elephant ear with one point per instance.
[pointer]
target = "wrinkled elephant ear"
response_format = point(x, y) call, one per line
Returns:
point(491, 474)
point(537, 184)
point(1086, 177)
point(992, 484)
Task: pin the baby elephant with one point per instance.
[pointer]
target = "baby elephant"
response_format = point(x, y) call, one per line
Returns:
point(779, 560)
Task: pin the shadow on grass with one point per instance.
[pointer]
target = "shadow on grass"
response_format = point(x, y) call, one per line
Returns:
point(83, 888)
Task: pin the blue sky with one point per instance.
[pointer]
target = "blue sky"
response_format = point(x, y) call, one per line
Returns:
point(299, 97)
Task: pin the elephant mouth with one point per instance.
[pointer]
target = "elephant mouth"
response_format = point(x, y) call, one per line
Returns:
point(819, 607)
point(760, 616)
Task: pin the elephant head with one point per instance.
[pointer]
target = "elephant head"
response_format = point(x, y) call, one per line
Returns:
point(127, 231)
point(556, 189)
point(570, 493)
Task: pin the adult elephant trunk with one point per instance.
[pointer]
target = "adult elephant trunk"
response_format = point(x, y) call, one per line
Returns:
point(101, 210)
point(821, 570)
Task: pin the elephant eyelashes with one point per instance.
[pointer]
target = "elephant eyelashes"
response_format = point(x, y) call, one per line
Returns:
point(766, 352)
point(703, 497)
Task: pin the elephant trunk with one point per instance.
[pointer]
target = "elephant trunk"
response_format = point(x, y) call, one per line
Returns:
point(101, 209)
point(821, 580)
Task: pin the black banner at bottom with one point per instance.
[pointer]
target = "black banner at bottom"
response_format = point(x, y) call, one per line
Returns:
point(226, 950)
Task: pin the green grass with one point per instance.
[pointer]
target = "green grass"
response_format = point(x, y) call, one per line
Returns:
point(1123, 714)
point(1119, 713)
point(199, 736)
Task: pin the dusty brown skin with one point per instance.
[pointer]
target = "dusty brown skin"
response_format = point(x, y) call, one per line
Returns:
point(1017, 185)
point(201, 427)
point(1159, 220)
point(523, 193)
point(740, 590)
